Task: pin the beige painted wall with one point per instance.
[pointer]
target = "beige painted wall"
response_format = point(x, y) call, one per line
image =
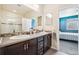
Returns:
point(54, 10)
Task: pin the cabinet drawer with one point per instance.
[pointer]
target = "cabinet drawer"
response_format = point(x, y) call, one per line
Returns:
point(45, 41)
point(40, 39)
point(40, 45)
point(40, 52)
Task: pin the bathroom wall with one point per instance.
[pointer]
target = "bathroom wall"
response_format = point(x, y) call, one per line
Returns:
point(54, 27)
point(68, 12)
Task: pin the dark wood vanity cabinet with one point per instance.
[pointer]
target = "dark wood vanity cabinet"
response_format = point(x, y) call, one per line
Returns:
point(22, 48)
point(47, 42)
point(16, 49)
point(40, 45)
point(35, 46)
point(49, 37)
point(44, 43)
point(32, 47)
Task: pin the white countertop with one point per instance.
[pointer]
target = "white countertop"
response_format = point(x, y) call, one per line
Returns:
point(15, 39)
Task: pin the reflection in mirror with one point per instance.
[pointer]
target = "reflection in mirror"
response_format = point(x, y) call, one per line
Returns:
point(11, 19)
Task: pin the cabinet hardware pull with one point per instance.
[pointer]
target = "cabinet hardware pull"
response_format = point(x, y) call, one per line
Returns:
point(27, 46)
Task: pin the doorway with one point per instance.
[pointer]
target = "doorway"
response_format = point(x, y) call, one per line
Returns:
point(68, 29)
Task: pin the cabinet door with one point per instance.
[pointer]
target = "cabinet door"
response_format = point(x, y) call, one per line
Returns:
point(32, 47)
point(1, 51)
point(49, 37)
point(40, 45)
point(45, 43)
point(16, 49)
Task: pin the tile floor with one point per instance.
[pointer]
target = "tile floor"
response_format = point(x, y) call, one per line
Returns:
point(66, 48)
point(54, 52)
point(69, 47)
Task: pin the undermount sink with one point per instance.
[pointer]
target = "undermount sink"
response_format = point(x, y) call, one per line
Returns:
point(20, 37)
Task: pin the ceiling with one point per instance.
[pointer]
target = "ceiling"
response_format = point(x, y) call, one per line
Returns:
point(22, 9)
point(17, 8)
point(66, 6)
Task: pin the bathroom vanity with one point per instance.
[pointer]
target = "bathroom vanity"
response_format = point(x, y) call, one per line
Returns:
point(34, 44)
